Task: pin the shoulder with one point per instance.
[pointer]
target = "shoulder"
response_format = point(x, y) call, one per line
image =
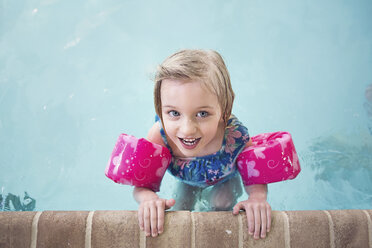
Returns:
point(154, 134)
point(249, 143)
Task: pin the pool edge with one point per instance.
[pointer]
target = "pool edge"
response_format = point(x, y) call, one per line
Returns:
point(318, 228)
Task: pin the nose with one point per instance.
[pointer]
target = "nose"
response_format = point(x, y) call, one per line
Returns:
point(188, 127)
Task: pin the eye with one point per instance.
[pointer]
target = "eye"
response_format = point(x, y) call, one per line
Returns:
point(203, 114)
point(174, 113)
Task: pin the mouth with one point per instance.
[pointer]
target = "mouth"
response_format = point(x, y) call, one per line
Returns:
point(189, 143)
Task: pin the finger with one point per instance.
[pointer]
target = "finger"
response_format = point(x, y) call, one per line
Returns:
point(154, 220)
point(146, 220)
point(140, 218)
point(169, 203)
point(160, 207)
point(237, 208)
point(268, 212)
point(257, 222)
point(263, 222)
point(250, 219)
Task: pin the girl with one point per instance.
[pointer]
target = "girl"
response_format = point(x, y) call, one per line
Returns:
point(193, 100)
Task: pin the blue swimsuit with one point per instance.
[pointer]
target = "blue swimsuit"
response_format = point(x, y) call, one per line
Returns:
point(211, 169)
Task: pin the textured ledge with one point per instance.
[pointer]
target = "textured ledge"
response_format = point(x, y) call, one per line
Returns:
point(333, 228)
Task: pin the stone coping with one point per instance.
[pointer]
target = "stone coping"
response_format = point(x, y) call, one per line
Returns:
point(86, 229)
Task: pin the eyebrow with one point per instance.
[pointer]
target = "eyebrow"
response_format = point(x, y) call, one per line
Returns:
point(201, 107)
point(168, 106)
point(205, 107)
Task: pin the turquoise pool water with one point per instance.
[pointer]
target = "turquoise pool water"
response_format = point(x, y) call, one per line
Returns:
point(76, 74)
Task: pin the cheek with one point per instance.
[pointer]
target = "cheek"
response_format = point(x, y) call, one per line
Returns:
point(210, 129)
point(169, 128)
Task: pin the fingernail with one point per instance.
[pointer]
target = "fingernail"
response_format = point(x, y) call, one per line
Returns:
point(147, 234)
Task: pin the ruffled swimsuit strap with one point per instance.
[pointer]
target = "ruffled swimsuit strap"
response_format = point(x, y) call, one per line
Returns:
point(162, 133)
point(236, 137)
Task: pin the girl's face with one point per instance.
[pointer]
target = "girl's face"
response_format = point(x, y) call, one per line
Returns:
point(192, 118)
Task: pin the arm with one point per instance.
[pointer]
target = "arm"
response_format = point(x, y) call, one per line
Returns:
point(257, 208)
point(151, 207)
point(274, 147)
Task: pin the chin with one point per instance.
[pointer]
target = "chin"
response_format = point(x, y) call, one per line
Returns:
point(188, 153)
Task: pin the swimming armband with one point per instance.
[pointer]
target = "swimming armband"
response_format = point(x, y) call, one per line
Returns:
point(138, 162)
point(271, 158)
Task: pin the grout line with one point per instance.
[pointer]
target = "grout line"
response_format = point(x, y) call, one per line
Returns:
point(192, 230)
point(369, 227)
point(287, 237)
point(35, 222)
point(142, 239)
point(88, 230)
point(331, 229)
point(240, 221)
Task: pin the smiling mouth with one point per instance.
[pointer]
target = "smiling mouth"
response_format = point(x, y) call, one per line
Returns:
point(189, 143)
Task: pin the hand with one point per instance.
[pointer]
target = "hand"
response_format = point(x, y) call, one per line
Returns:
point(258, 213)
point(151, 215)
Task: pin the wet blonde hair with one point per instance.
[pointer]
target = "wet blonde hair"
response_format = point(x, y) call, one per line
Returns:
point(206, 66)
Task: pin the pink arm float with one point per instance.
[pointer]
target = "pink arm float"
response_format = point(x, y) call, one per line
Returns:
point(138, 162)
point(271, 158)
